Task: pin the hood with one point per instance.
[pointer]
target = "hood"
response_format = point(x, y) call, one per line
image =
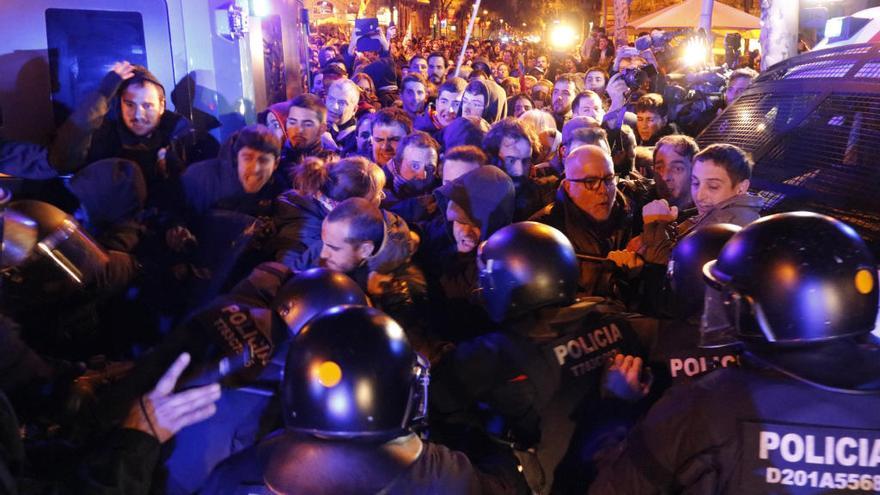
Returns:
point(110, 190)
point(397, 245)
point(280, 110)
point(485, 194)
point(496, 107)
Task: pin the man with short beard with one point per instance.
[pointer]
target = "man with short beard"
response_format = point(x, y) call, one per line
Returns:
point(411, 177)
point(564, 91)
point(415, 95)
point(306, 122)
point(513, 147)
point(247, 182)
point(143, 131)
point(436, 68)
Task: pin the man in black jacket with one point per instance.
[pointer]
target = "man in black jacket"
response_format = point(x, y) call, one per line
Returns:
point(595, 216)
point(126, 118)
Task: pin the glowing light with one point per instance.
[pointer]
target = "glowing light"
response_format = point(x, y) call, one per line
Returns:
point(562, 37)
point(328, 374)
point(261, 8)
point(834, 27)
point(864, 281)
point(696, 53)
point(339, 404)
point(363, 395)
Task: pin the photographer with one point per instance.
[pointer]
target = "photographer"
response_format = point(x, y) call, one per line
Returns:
point(381, 66)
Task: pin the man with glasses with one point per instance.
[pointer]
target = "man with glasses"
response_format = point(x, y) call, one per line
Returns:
point(595, 216)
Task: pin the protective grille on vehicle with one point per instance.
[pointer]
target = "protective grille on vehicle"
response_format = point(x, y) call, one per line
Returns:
point(828, 164)
point(755, 119)
point(869, 70)
point(831, 69)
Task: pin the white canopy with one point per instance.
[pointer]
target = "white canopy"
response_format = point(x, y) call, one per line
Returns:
point(687, 15)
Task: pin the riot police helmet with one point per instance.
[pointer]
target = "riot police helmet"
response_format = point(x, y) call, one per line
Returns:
point(352, 374)
point(43, 240)
point(525, 266)
point(685, 268)
point(797, 277)
point(309, 293)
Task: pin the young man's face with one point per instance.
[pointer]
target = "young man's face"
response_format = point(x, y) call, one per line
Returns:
point(649, 123)
point(516, 156)
point(436, 70)
point(464, 230)
point(255, 168)
point(590, 107)
point(472, 105)
point(595, 81)
point(142, 108)
point(385, 139)
point(563, 94)
point(736, 88)
point(419, 65)
point(673, 174)
point(304, 127)
point(521, 106)
point(711, 185)
point(448, 104)
point(363, 137)
point(417, 164)
point(414, 97)
point(338, 254)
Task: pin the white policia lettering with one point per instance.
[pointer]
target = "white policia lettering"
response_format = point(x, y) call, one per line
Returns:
point(827, 451)
point(694, 366)
point(594, 341)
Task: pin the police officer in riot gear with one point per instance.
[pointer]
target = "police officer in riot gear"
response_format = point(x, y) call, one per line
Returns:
point(242, 339)
point(543, 374)
point(800, 415)
point(352, 393)
point(679, 351)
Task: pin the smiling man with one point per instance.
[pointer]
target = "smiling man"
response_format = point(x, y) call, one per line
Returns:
point(247, 183)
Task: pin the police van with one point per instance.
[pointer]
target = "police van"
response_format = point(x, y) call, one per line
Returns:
point(220, 61)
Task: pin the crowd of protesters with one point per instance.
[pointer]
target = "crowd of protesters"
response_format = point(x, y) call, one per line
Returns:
point(395, 168)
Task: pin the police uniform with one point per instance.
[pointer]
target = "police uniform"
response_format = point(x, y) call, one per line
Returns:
point(537, 386)
point(756, 430)
point(800, 290)
point(675, 355)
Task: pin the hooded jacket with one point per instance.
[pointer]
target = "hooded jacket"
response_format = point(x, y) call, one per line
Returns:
point(486, 195)
point(496, 106)
point(95, 131)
